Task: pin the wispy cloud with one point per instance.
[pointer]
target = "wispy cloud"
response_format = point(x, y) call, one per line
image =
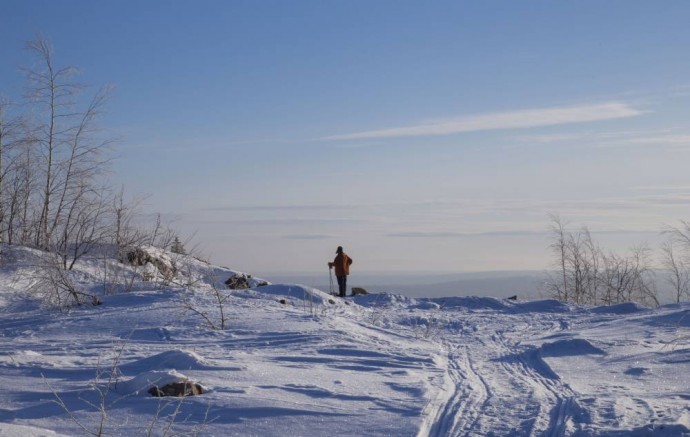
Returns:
point(680, 91)
point(666, 138)
point(277, 208)
point(425, 234)
point(307, 237)
point(521, 119)
point(664, 188)
point(443, 234)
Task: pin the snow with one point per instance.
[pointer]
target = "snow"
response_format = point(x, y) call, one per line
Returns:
point(293, 360)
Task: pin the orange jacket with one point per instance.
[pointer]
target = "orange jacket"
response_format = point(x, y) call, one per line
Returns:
point(342, 264)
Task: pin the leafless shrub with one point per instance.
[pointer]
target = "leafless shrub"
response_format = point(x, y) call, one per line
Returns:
point(104, 381)
point(217, 320)
point(588, 275)
point(167, 425)
point(675, 259)
point(58, 287)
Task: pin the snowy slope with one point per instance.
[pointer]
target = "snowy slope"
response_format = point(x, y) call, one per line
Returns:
point(381, 364)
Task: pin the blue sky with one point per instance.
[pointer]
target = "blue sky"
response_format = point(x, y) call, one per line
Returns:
point(422, 136)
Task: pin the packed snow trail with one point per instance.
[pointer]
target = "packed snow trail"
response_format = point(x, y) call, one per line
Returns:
point(500, 377)
point(468, 395)
point(486, 371)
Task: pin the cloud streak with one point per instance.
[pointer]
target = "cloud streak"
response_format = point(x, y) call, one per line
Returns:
point(521, 119)
point(444, 234)
point(616, 139)
point(307, 237)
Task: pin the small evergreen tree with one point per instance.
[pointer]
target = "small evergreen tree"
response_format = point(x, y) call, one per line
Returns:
point(178, 247)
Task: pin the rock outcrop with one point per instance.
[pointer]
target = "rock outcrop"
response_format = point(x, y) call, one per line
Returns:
point(141, 257)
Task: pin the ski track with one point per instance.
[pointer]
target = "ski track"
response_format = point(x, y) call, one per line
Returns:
point(464, 404)
point(532, 373)
point(542, 404)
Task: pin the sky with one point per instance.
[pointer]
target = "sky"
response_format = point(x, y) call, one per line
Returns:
point(421, 136)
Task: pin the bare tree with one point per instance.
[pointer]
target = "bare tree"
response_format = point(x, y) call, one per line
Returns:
point(85, 228)
point(677, 268)
point(586, 275)
point(71, 152)
point(17, 175)
point(644, 287)
point(162, 235)
point(578, 261)
point(11, 129)
point(126, 234)
point(559, 246)
point(78, 170)
point(20, 184)
point(614, 279)
point(53, 92)
point(680, 234)
point(593, 275)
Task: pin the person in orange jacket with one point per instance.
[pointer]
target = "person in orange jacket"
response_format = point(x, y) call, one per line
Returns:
point(342, 264)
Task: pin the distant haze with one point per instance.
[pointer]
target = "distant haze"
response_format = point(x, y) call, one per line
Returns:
point(526, 285)
point(495, 284)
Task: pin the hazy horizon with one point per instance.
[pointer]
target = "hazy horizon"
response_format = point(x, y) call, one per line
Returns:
point(526, 285)
point(494, 284)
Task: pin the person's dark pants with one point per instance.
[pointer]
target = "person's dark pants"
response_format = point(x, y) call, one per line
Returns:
point(342, 285)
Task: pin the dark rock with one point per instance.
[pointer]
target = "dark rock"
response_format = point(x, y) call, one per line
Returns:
point(186, 388)
point(238, 281)
point(359, 290)
point(140, 257)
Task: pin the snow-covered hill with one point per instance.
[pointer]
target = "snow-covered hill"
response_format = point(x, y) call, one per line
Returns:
point(292, 360)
